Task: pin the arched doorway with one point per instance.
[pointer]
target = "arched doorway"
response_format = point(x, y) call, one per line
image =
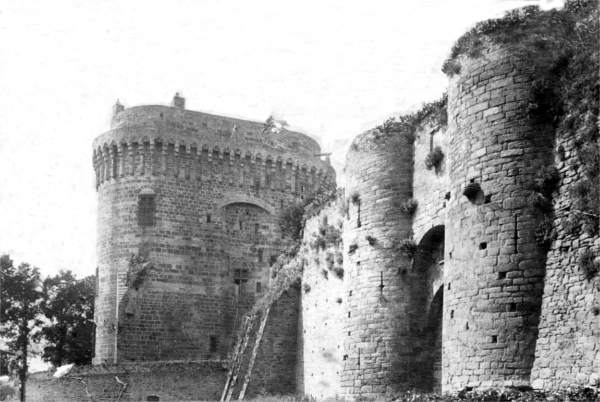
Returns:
point(427, 300)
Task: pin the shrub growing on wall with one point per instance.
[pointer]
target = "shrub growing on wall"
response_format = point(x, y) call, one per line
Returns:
point(434, 159)
point(408, 248)
point(589, 264)
point(434, 113)
point(409, 207)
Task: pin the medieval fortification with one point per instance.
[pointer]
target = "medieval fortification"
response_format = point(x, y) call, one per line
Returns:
point(453, 258)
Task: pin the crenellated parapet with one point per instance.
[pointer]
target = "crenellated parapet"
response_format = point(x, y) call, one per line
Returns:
point(165, 141)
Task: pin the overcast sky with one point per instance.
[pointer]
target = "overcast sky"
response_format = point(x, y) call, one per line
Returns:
point(331, 69)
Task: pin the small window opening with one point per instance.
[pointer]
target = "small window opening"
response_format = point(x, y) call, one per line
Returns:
point(447, 196)
point(258, 287)
point(302, 189)
point(153, 398)
point(241, 224)
point(350, 293)
point(345, 357)
point(451, 313)
point(348, 333)
point(260, 255)
point(256, 228)
point(467, 326)
point(482, 245)
point(146, 209)
point(256, 184)
point(501, 275)
point(214, 344)
point(208, 218)
point(449, 285)
point(488, 199)
point(494, 338)
point(348, 314)
point(240, 280)
point(512, 307)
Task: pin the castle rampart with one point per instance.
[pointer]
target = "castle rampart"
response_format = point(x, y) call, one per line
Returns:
point(494, 268)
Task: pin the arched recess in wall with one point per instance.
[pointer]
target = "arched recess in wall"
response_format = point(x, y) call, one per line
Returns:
point(244, 199)
point(426, 307)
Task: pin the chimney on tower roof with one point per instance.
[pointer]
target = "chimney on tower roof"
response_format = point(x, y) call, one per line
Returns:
point(117, 108)
point(178, 101)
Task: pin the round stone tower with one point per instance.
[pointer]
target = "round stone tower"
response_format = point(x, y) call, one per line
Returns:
point(196, 197)
point(494, 270)
point(376, 329)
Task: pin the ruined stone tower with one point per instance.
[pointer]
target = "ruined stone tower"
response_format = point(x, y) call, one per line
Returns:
point(197, 196)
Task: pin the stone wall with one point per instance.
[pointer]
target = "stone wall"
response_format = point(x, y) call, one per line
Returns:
point(568, 350)
point(165, 381)
point(494, 270)
point(274, 371)
point(322, 309)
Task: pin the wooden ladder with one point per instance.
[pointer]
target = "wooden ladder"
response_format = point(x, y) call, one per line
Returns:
point(237, 360)
point(263, 322)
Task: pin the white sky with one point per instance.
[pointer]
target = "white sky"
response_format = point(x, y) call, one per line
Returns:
point(331, 69)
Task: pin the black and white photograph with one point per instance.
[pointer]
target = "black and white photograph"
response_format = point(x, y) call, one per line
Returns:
point(300, 201)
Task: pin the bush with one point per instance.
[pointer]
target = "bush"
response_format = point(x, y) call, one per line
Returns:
point(546, 180)
point(589, 264)
point(408, 248)
point(138, 267)
point(338, 272)
point(545, 233)
point(355, 197)
point(409, 207)
point(434, 159)
point(434, 113)
point(540, 203)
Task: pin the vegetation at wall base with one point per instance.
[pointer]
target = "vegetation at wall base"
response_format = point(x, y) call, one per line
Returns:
point(581, 394)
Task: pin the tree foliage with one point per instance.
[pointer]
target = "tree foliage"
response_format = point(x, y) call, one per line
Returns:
point(20, 311)
point(69, 306)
